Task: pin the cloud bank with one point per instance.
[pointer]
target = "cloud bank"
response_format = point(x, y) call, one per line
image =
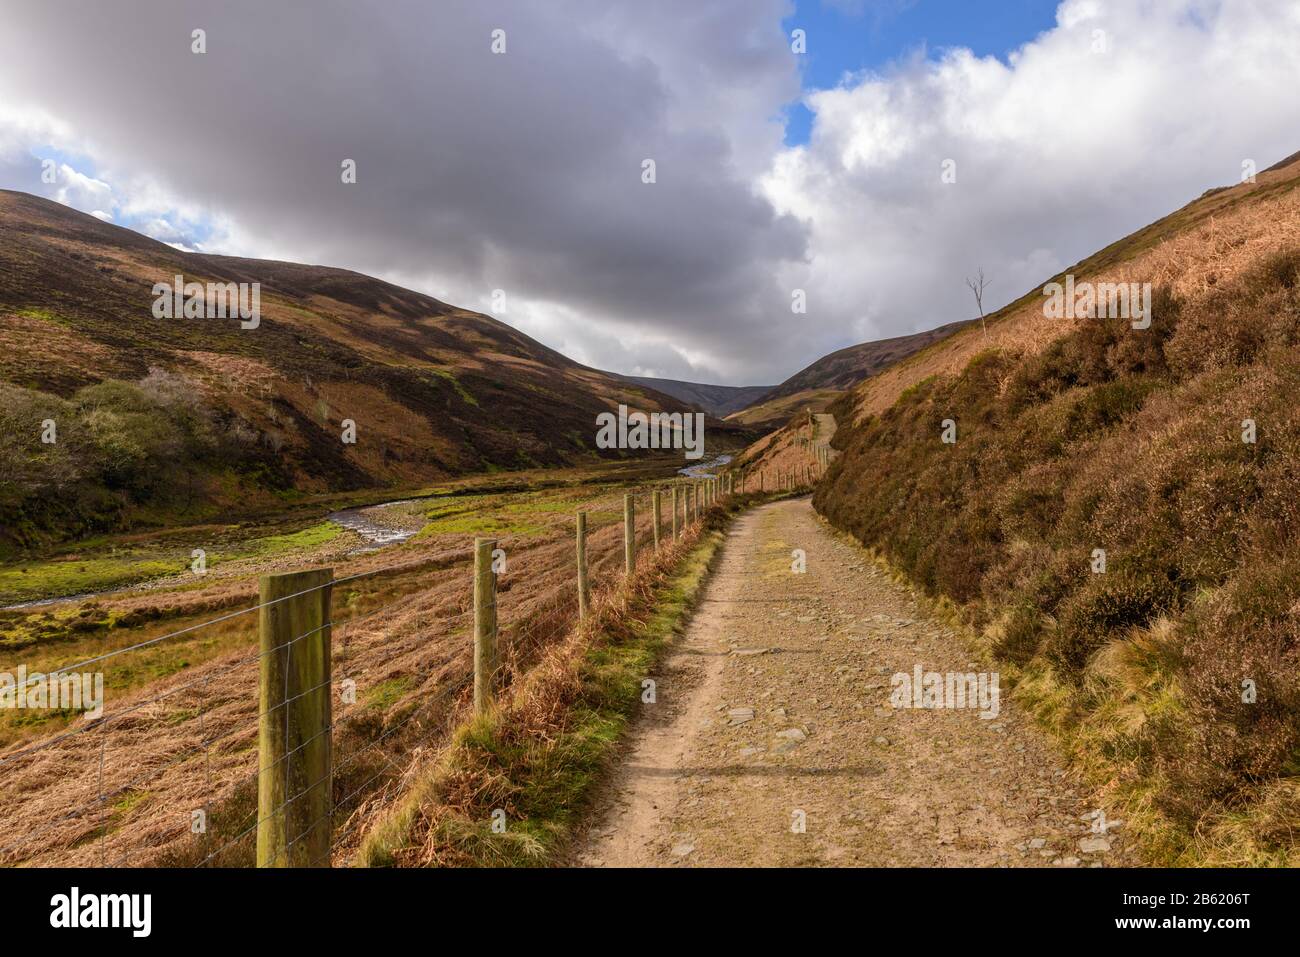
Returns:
point(522, 171)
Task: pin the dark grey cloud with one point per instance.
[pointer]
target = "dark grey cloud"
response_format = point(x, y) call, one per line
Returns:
point(476, 171)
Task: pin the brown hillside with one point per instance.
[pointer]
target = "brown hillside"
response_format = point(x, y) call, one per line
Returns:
point(775, 412)
point(815, 387)
point(245, 414)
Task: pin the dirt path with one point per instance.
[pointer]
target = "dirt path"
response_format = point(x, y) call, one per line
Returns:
point(777, 701)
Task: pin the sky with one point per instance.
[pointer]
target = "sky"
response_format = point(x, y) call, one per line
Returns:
point(851, 36)
point(513, 181)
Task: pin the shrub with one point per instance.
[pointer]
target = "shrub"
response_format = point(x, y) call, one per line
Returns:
point(119, 445)
point(1123, 598)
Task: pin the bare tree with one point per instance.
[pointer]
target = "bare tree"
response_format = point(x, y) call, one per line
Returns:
point(977, 286)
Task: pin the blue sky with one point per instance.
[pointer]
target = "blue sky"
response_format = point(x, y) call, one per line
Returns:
point(848, 36)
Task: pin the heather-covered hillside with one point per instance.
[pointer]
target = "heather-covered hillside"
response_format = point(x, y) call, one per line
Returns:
point(1117, 522)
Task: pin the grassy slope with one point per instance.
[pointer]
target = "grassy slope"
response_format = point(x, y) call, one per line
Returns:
point(814, 388)
point(1130, 441)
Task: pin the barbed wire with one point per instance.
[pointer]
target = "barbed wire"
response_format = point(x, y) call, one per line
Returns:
point(100, 801)
point(335, 839)
point(181, 758)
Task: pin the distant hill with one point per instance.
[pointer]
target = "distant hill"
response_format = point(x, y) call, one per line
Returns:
point(815, 387)
point(719, 400)
point(772, 413)
point(144, 406)
point(847, 367)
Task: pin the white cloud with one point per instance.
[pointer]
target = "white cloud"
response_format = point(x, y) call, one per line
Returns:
point(1059, 151)
point(82, 192)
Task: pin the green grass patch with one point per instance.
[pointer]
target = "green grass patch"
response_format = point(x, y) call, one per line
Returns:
point(455, 384)
point(311, 537)
point(50, 579)
point(45, 315)
point(478, 515)
point(60, 577)
point(387, 693)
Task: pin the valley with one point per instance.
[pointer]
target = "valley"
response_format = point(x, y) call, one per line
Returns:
point(136, 540)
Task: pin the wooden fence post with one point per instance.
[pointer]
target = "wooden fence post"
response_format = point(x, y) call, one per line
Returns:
point(485, 623)
point(295, 788)
point(584, 590)
point(654, 514)
point(629, 535)
point(675, 530)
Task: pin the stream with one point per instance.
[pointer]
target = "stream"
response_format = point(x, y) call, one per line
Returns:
point(370, 527)
point(705, 469)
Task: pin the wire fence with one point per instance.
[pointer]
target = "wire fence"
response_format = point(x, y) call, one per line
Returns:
point(178, 774)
